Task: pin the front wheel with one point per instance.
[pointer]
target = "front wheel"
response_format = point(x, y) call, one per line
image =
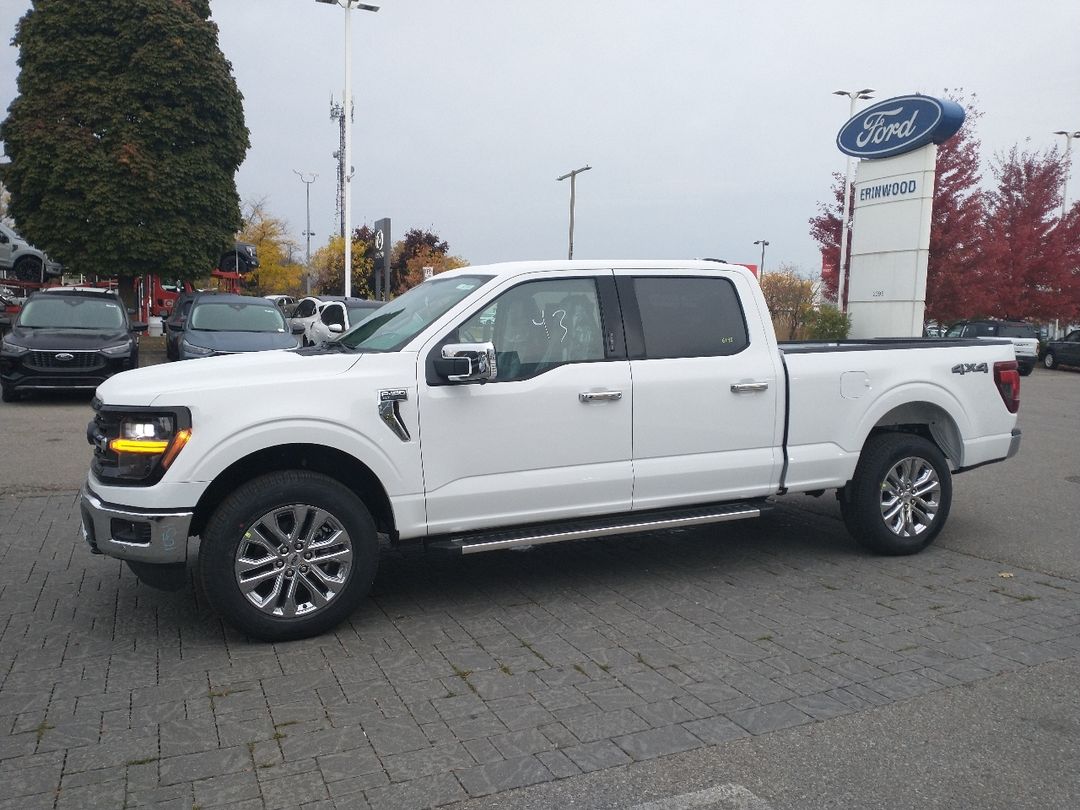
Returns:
point(28, 268)
point(899, 498)
point(288, 555)
point(1049, 360)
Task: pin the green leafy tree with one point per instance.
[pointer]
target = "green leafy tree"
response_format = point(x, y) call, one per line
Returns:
point(827, 323)
point(125, 137)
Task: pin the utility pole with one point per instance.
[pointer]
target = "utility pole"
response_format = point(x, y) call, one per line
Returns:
point(307, 232)
point(573, 177)
point(853, 95)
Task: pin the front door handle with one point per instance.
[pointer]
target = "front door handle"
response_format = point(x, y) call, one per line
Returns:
point(599, 396)
point(747, 388)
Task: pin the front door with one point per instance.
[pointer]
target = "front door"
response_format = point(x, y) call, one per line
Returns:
point(550, 437)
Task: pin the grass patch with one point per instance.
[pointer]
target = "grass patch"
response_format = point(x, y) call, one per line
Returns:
point(505, 670)
point(145, 761)
point(581, 669)
point(1019, 597)
point(763, 638)
point(532, 649)
point(829, 587)
point(42, 727)
point(1051, 585)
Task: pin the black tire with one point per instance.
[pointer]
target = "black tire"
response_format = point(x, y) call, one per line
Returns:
point(1049, 360)
point(8, 393)
point(235, 537)
point(880, 505)
point(28, 268)
point(1026, 369)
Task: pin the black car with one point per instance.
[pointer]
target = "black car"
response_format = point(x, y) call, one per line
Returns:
point(230, 324)
point(67, 339)
point(173, 326)
point(1065, 351)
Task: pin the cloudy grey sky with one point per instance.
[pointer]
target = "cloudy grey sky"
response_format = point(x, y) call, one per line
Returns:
point(709, 123)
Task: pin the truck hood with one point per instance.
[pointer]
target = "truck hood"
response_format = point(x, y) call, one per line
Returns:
point(144, 385)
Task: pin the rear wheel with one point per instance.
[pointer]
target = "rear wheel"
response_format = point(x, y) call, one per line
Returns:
point(899, 498)
point(288, 555)
point(1049, 360)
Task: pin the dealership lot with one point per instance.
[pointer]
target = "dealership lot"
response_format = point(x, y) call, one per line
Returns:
point(462, 679)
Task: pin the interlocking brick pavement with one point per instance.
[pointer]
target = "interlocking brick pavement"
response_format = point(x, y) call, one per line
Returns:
point(467, 677)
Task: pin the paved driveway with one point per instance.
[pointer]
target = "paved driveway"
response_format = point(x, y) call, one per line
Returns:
point(464, 678)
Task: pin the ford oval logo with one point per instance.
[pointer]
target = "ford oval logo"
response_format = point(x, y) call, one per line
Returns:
point(65, 356)
point(899, 125)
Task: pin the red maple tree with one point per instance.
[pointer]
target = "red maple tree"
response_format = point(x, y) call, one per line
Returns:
point(1028, 246)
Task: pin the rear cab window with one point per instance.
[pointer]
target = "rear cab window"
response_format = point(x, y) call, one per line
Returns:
point(688, 317)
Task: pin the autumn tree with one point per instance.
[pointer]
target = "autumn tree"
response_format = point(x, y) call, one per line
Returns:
point(417, 243)
point(790, 299)
point(328, 267)
point(825, 230)
point(277, 272)
point(955, 287)
point(1027, 250)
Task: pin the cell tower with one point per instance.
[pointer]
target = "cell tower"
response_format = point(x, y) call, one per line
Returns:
point(337, 113)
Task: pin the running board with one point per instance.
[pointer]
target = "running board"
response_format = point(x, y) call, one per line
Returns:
point(629, 523)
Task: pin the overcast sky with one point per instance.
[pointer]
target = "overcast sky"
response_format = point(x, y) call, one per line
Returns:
point(709, 124)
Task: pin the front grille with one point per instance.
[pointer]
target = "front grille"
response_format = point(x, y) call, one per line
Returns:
point(75, 361)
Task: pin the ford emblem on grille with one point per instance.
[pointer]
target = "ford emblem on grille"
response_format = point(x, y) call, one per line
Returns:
point(65, 356)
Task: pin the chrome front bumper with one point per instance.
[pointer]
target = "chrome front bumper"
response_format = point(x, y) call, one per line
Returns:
point(150, 536)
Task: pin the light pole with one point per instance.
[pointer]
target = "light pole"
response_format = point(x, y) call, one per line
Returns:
point(573, 177)
point(1065, 175)
point(854, 95)
point(307, 232)
point(348, 5)
point(761, 269)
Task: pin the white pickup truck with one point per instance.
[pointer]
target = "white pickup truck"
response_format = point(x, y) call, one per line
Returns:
point(518, 404)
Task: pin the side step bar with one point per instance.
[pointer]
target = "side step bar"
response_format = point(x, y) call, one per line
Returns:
point(606, 526)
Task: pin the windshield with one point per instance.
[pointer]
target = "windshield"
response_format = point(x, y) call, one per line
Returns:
point(400, 320)
point(233, 316)
point(72, 312)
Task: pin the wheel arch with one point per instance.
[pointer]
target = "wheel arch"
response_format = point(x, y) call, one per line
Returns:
point(926, 419)
point(329, 461)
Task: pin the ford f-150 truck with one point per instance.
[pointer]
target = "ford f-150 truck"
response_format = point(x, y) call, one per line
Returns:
point(510, 405)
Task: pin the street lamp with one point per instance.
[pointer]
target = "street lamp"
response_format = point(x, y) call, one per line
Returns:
point(348, 5)
point(854, 95)
point(573, 176)
point(307, 233)
point(761, 269)
point(1065, 175)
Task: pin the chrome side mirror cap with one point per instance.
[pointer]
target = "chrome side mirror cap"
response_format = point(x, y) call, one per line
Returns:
point(467, 362)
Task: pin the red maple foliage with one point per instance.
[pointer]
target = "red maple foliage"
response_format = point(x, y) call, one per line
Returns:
point(1026, 256)
point(825, 229)
point(954, 287)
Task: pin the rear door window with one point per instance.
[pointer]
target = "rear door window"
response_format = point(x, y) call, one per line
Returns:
point(690, 317)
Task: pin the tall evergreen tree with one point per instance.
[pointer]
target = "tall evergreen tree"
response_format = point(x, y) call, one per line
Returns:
point(125, 137)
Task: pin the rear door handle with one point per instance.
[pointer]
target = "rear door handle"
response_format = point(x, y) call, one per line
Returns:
point(599, 396)
point(748, 388)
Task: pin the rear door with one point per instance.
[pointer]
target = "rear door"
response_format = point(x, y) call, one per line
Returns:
point(707, 422)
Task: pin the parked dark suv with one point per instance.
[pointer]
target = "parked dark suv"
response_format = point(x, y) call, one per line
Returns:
point(67, 339)
point(1024, 337)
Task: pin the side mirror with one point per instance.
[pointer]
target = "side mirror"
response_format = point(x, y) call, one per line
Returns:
point(467, 362)
point(336, 328)
point(297, 328)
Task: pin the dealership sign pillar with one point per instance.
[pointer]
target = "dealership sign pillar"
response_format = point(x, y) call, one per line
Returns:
point(894, 201)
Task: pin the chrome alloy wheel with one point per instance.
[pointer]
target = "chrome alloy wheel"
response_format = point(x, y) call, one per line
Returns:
point(910, 497)
point(293, 560)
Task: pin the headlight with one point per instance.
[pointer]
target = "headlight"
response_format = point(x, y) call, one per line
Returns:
point(196, 351)
point(12, 348)
point(117, 351)
point(132, 446)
